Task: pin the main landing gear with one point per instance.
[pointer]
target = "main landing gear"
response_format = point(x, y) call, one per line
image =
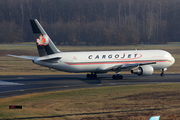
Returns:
point(92, 75)
point(117, 77)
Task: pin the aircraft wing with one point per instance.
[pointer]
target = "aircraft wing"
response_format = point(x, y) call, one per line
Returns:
point(122, 66)
point(128, 66)
point(24, 57)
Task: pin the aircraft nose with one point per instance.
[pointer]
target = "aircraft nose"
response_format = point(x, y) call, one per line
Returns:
point(172, 60)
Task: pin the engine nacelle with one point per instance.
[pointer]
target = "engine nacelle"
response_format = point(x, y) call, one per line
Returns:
point(143, 70)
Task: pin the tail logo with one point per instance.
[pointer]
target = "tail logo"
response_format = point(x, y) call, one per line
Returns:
point(43, 40)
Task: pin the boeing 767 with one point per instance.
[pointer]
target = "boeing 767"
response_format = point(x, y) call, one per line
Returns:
point(140, 62)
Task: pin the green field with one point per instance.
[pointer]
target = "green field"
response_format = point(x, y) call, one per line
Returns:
point(130, 102)
point(17, 66)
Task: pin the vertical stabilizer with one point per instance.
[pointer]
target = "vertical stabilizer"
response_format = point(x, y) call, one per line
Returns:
point(44, 44)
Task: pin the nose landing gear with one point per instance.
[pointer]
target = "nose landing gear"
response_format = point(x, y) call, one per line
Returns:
point(162, 73)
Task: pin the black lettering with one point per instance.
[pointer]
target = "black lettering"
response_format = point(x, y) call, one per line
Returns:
point(129, 56)
point(135, 55)
point(104, 56)
point(116, 56)
point(123, 56)
point(90, 57)
point(97, 57)
point(110, 56)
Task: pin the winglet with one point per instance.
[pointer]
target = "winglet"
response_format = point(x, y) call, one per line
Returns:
point(155, 118)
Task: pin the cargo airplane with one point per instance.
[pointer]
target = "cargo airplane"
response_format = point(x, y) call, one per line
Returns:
point(140, 62)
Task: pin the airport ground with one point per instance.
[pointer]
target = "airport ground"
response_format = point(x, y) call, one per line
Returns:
point(115, 101)
point(130, 101)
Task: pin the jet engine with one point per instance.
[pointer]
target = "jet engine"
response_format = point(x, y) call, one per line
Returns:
point(143, 70)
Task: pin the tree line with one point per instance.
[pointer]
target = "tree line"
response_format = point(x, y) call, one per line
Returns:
point(92, 22)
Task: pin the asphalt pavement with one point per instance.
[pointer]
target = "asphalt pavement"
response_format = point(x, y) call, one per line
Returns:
point(27, 84)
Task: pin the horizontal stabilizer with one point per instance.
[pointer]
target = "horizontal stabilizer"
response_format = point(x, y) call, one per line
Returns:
point(49, 58)
point(24, 57)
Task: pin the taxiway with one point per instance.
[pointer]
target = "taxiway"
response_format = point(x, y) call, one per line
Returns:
point(27, 84)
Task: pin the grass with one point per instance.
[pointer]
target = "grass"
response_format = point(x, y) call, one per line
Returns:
point(119, 102)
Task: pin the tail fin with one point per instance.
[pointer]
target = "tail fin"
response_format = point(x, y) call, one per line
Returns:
point(44, 44)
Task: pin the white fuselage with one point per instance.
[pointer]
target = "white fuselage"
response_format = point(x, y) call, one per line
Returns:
point(99, 61)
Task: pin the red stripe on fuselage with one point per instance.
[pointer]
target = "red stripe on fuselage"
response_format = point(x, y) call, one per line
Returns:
point(96, 63)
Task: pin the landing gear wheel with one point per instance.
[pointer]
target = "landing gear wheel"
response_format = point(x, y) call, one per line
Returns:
point(162, 74)
point(92, 75)
point(117, 77)
point(114, 77)
point(88, 75)
point(120, 77)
